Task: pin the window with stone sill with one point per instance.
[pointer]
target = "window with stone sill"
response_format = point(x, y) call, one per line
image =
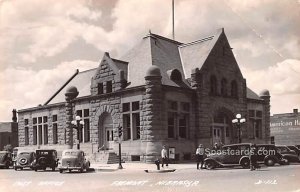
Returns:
point(108, 86)
point(131, 120)
point(54, 129)
point(85, 117)
point(26, 136)
point(100, 88)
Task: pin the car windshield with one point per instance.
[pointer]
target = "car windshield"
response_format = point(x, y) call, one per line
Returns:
point(24, 153)
point(71, 153)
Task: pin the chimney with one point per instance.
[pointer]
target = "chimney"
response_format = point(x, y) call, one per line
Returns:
point(14, 117)
point(295, 111)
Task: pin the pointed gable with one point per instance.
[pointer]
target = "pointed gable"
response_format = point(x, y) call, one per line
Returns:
point(110, 76)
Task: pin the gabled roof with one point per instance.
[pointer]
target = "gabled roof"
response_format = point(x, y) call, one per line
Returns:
point(82, 81)
point(154, 50)
point(194, 54)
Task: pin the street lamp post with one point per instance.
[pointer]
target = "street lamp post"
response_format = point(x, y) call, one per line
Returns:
point(78, 123)
point(238, 122)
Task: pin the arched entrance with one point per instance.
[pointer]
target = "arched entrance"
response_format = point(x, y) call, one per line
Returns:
point(222, 129)
point(105, 131)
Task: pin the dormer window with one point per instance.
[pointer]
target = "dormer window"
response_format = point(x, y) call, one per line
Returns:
point(108, 86)
point(100, 88)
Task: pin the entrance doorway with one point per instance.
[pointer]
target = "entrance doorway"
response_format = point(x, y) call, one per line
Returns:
point(222, 132)
point(105, 131)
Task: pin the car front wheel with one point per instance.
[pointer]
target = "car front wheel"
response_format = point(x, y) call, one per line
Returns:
point(210, 165)
point(61, 171)
point(245, 163)
point(269, 162)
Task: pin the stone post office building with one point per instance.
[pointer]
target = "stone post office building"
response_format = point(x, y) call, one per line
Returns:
point(162, 92)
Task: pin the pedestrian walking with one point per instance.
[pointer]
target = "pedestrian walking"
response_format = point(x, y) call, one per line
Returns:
point(200, 156)
point(164, 156)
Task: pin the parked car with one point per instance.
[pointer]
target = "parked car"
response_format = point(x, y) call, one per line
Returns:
point(5, 159)
point(229, 156)
point(45, 158)
point(24, 159)
point(294, 148)
point(268, 154)
point(289, 155)
point(73, 160)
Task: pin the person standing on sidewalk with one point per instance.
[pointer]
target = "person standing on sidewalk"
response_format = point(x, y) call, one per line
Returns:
point(253, 158)
point(200, 156)
point(164, 156)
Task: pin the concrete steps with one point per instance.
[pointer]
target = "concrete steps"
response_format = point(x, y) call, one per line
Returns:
point(106, 157)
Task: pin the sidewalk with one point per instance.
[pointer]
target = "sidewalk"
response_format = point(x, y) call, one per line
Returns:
point(98, 167)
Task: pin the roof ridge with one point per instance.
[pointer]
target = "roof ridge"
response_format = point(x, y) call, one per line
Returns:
point(125, 62)
point(163, 38)
point(88, 70)
point(198, 41)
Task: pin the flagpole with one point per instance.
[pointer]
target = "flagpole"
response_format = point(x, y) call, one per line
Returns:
point(173, 30)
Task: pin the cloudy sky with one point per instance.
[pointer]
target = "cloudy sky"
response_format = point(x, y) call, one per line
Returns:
point(43, 42)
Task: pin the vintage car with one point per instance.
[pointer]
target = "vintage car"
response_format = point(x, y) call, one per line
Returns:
point(229, 156)
point(45, 158)
point(288, 154)
point(24, 159)
point(239, 155)
point(294, 148)
point(5, 159)
point(73, 159)
point(269, 155)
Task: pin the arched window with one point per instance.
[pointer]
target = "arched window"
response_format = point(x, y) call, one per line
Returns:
point(213, 85)
point(175, 75)
point(234, 89)
point(224, 87)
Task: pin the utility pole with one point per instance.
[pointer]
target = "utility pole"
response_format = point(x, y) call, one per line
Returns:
point(120, 132)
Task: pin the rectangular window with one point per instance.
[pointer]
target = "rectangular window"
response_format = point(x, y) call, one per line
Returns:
point(26, 136)
point(86, 130)
point(26, 121)
point(126, 107)
point(171, 125)
point(126, 127)
point(251, 113)
point(136, 125)
point(40, 120)
point(45, 134)
point(108, 86)
point(86, 112)
point(185, 107)
point(227, 132)
point(259, 114)
point(34, 135)
point(34, 120)
point(172, 105)
point(135, 106)
point(54, 118)
point(55, 136)
point(45, 119)
point(100, 88)
point(257, 128)
point(79, 113)
point(182, 127)
point(40, 134)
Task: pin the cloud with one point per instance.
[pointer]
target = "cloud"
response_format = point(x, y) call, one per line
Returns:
point(22, 88)
point(282, 80)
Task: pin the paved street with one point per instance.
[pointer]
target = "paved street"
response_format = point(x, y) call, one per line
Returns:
point(133, 178)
